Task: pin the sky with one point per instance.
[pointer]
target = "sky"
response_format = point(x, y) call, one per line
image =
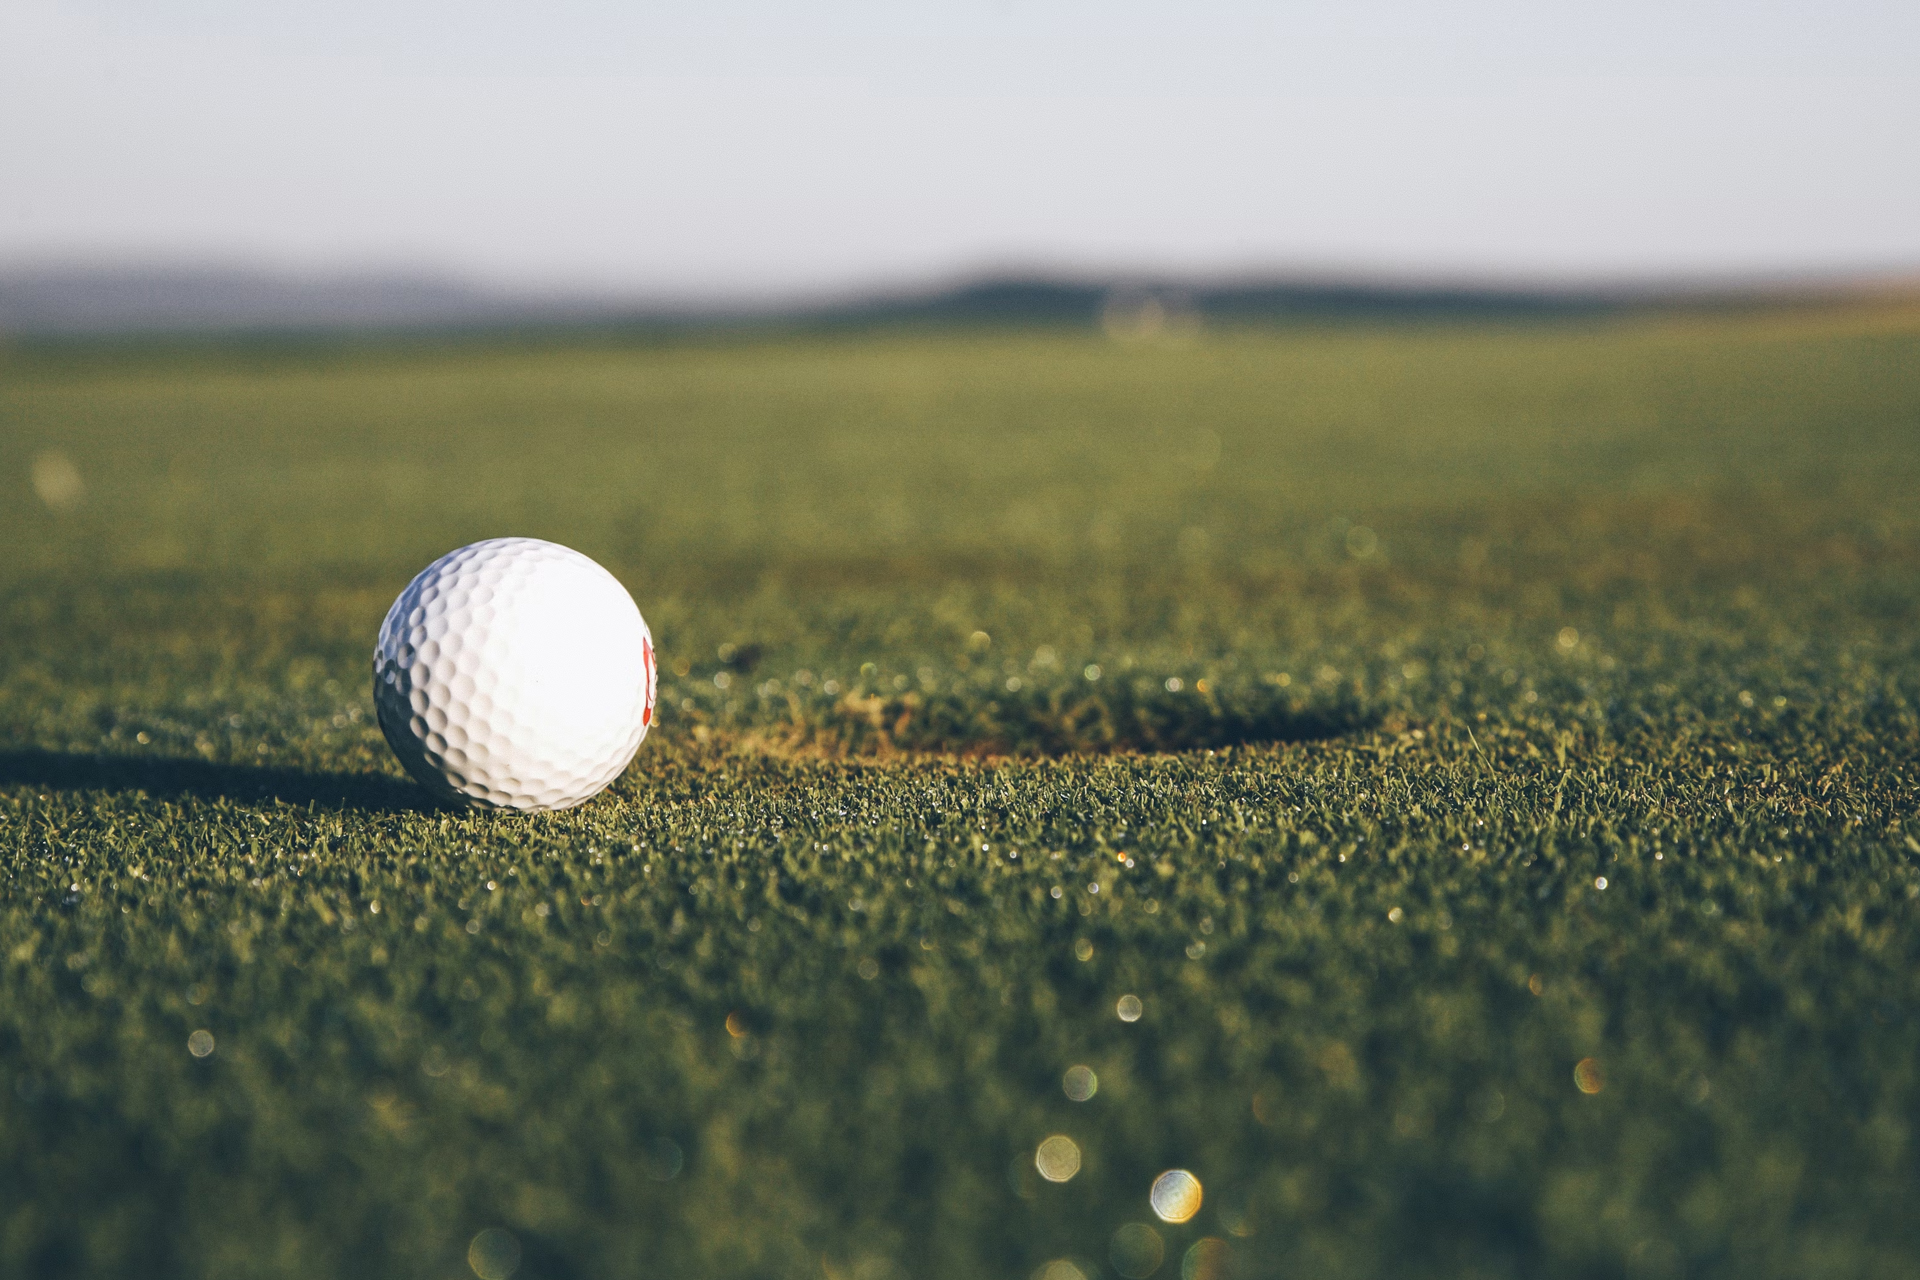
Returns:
point(754, 148)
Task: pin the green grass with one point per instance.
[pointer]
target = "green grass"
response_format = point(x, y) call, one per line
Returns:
point(1433, 710)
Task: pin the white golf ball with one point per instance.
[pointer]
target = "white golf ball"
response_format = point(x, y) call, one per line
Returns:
point(514, 674)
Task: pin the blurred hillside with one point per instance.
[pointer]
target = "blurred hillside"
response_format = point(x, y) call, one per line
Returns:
point(76, 301)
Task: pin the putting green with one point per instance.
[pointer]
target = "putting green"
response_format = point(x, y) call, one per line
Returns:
point(1448, 790)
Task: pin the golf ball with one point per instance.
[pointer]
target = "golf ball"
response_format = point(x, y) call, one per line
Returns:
point(514, 674)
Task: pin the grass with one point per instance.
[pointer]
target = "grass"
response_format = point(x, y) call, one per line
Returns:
point(1487, 755)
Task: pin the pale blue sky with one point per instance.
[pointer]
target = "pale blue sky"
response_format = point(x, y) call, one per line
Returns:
point(746, 146)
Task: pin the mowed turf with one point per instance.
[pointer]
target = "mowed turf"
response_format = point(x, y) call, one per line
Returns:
point(1484, 759)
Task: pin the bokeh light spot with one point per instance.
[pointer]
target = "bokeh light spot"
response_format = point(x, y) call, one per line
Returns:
point(1129, 1008)
point(1136, 1250)
point(1587, 1076)
point(494, 1254)
point(1020, 1178)
point(1175, 1196)
point(200, 1044)
point(664, 1159)
point(1208, 1259)
point(1081, 1083)
point(1058, 1158)
point(57, 481)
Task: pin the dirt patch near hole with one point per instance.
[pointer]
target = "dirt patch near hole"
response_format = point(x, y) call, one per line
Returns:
point(1114, 723)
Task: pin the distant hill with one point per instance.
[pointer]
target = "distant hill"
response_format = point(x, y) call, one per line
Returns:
point(102, 301)
point(1091, 302)
point(181, 300)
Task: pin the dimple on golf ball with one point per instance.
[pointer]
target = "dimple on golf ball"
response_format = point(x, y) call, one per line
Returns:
point(514, 674)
